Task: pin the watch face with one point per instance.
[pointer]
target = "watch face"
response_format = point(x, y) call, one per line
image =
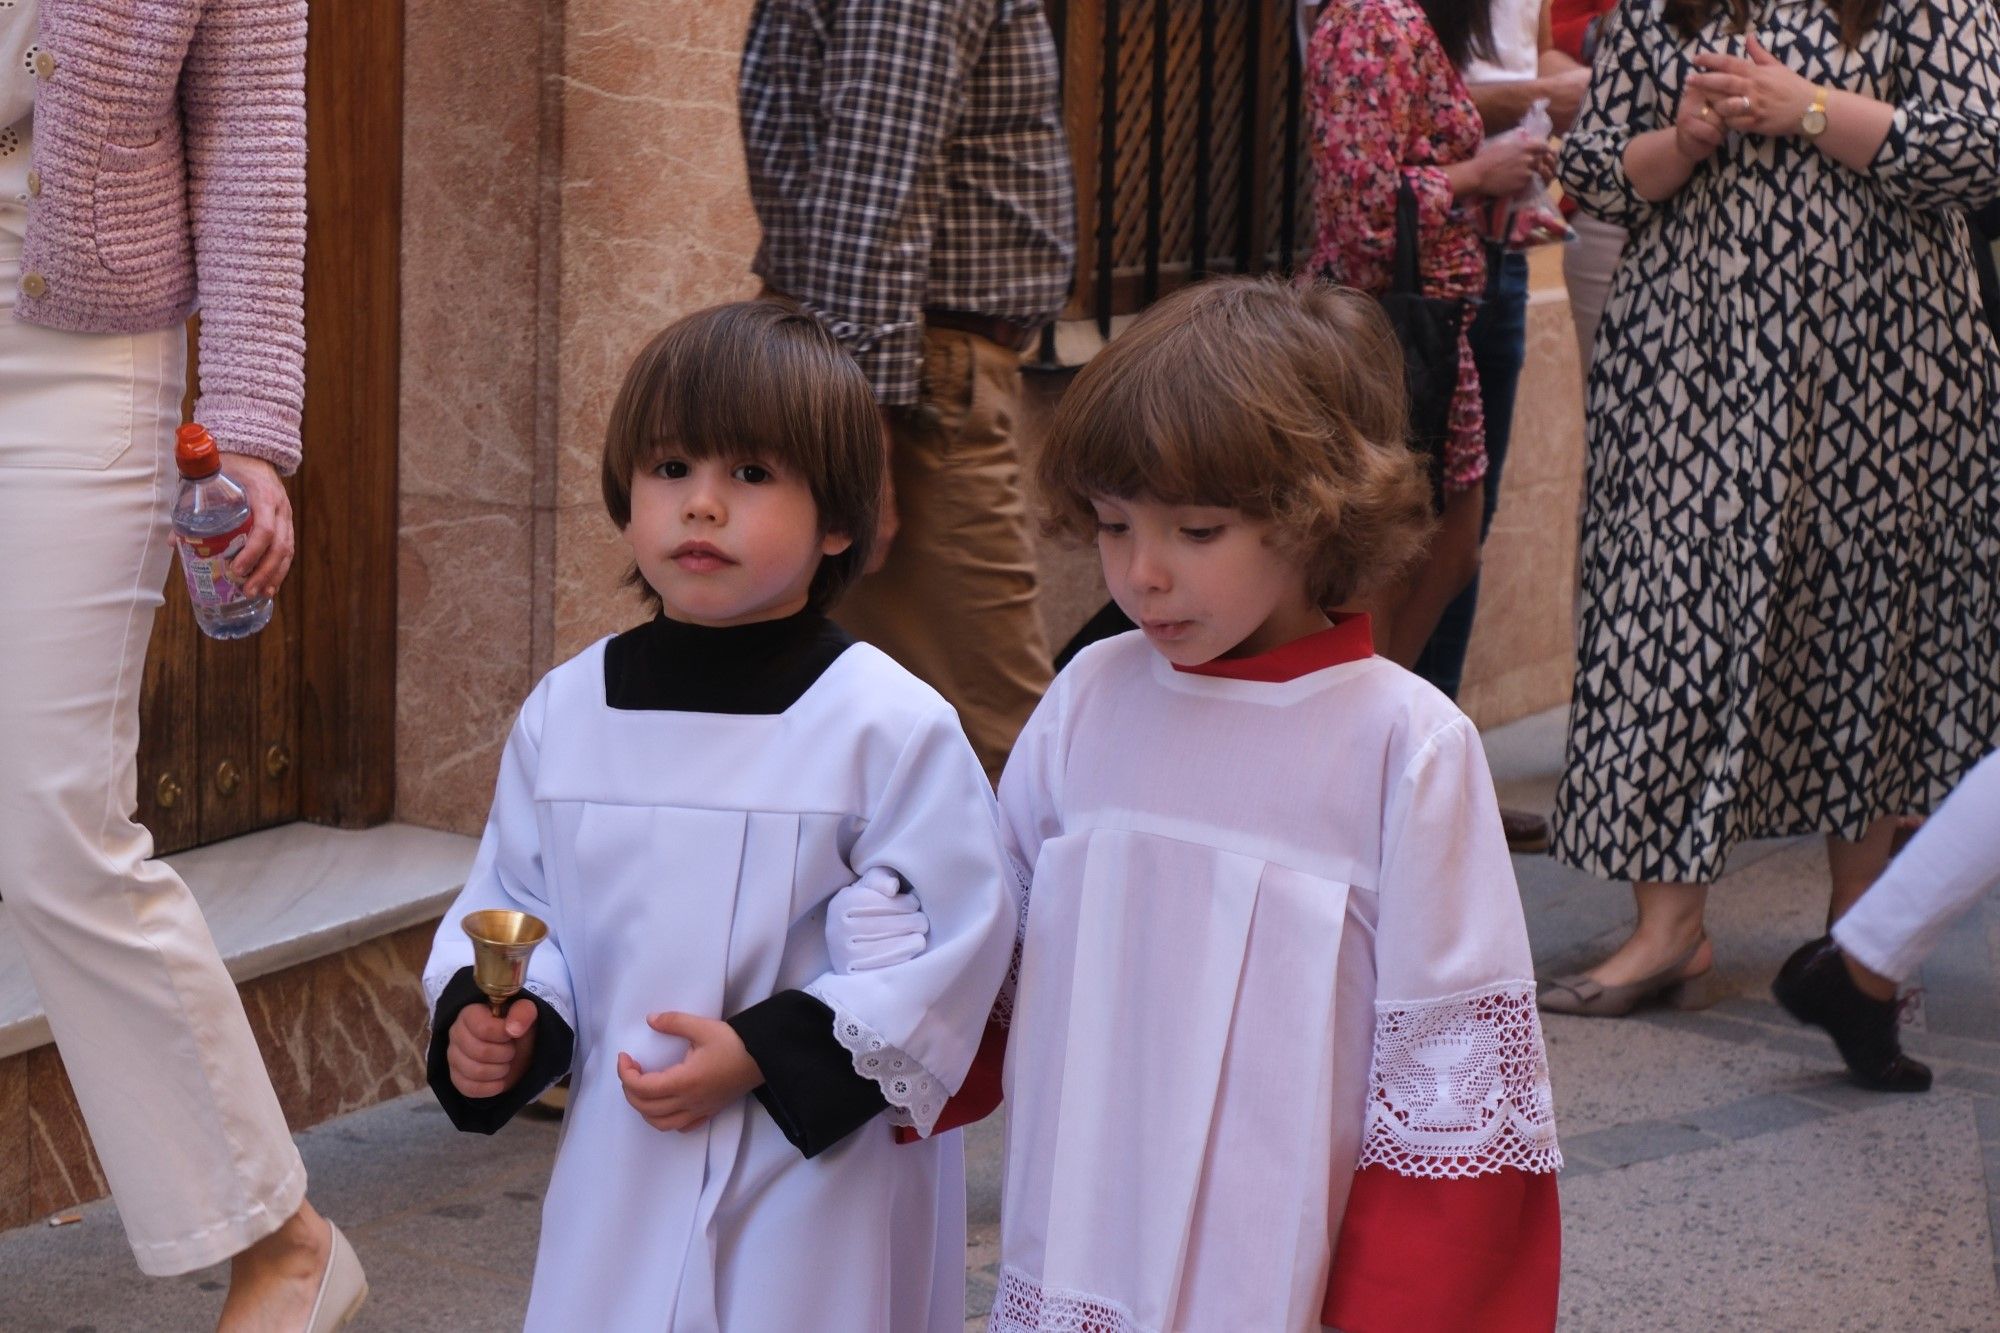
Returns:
point(1814, 122)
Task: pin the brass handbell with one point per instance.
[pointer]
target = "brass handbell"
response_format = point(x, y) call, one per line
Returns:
point(501, 942)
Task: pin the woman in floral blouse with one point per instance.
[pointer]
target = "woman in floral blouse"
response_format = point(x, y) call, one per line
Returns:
point(1387, 104)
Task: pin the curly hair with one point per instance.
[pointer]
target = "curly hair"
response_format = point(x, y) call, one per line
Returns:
point(754, 380)
point(1282, 402)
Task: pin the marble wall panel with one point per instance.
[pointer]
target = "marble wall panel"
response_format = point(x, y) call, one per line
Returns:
point(62, 1168)
point(472, 147)
point(656, 217)
point(1522, 655)
point(282, 1012)
point(369, 1030)
point(656, 222)
point(346, 1031)
point(468, 595)
point(1549, 406)
point(16, 1181)
point(473, 464)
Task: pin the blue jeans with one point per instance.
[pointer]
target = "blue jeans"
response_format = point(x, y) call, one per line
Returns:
point(1499, 338)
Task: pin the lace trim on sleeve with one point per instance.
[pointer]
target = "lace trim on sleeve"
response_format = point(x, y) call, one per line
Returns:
point(1023, 1305)
point(1003, 1003)
point(914, 1094)
point(1460, 1087)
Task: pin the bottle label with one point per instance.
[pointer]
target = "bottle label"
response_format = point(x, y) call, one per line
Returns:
point(205, 561)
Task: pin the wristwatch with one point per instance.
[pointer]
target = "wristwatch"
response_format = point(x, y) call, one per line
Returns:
point(1813, 123)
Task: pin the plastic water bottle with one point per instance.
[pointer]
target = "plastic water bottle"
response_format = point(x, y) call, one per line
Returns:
point(211, 524)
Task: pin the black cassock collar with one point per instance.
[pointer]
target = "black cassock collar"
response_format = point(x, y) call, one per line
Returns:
point(671, 666)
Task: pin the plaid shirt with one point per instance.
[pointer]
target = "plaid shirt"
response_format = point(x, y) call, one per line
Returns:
point(906, 154)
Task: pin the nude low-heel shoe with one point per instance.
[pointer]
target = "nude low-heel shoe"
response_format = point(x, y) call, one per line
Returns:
point(1580, 994)
point(342, 1288)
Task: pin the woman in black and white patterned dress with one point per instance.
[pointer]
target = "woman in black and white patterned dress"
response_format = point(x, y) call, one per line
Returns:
point(1791, 540)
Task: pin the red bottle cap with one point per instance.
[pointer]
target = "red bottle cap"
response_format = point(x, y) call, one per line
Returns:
point(194, 452)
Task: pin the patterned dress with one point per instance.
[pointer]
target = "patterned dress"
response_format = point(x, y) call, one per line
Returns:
point(1385, 104)
point(1791, 535)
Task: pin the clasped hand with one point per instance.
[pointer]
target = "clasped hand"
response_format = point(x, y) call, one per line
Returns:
point(716, 1072)
point(1753, 94)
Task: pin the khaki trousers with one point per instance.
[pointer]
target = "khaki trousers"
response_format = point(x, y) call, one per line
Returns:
point(955, 601)
point(148, 1023)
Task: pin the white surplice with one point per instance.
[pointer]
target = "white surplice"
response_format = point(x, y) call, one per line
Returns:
point(1273, 936)
point(683, 861)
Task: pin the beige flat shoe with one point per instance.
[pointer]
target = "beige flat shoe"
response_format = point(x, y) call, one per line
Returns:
point(1582, 995)
point(342, 1288)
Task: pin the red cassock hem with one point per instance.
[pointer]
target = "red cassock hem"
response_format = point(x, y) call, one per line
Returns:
point(1417, 1256)
point(979, 1096)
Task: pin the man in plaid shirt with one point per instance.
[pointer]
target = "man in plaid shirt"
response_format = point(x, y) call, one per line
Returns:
point(908, 163)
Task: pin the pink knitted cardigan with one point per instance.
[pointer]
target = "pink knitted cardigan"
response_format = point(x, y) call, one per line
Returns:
point(170, 145)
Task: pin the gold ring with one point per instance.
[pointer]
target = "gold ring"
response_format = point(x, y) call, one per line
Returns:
point(1707, 112)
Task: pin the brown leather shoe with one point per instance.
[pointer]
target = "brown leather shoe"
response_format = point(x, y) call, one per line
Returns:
point(1527, 832)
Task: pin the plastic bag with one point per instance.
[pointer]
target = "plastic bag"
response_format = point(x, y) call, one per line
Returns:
point(1530, 218)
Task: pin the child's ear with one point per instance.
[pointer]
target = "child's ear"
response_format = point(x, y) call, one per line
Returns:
point(834, 543)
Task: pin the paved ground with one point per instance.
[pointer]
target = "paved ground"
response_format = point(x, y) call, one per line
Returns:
point(1722, 1174)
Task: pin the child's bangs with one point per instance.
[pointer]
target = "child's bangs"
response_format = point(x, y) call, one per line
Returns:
point(703, 407)
point(1180, 439)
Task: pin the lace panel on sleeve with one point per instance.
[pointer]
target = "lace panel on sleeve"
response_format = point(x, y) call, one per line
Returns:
point(1460, 1087)
point(1003, 1004)
point(1023, 1305)
point(914, 1094)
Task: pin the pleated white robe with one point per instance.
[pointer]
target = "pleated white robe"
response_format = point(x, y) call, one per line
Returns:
point(683, 861)
point(1273, 936)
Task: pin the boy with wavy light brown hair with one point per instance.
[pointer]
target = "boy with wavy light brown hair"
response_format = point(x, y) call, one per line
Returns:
point(1285, 405)
point(1272, 1055)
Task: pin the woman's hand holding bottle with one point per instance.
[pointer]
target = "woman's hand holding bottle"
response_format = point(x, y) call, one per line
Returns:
point(1505, 165)
point(266, 557)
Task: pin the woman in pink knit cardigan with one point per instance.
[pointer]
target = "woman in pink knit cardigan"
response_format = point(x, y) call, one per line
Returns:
point(152, 161)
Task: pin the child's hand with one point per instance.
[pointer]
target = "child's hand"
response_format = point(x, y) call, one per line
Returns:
point(488, 1053)
point(716, 1072)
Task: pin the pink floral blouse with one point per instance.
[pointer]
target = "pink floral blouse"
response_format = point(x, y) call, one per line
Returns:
point(1385, 103)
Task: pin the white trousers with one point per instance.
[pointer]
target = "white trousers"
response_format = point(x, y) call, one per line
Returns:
point(1948, 867)
point(1587, 269)
point(148, 1023)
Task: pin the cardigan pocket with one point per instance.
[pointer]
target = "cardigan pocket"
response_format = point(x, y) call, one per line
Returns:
point(139, 214)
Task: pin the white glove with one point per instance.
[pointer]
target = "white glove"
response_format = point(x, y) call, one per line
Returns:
point(873, 923)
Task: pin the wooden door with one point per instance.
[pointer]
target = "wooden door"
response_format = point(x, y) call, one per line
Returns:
point(298, 721)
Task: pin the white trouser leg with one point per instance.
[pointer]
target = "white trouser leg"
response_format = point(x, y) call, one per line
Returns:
point(1587, 268)
point(148, 1023)
point(1952, 862)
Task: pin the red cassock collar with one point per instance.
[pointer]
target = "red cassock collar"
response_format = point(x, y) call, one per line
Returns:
point(1348, 639)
